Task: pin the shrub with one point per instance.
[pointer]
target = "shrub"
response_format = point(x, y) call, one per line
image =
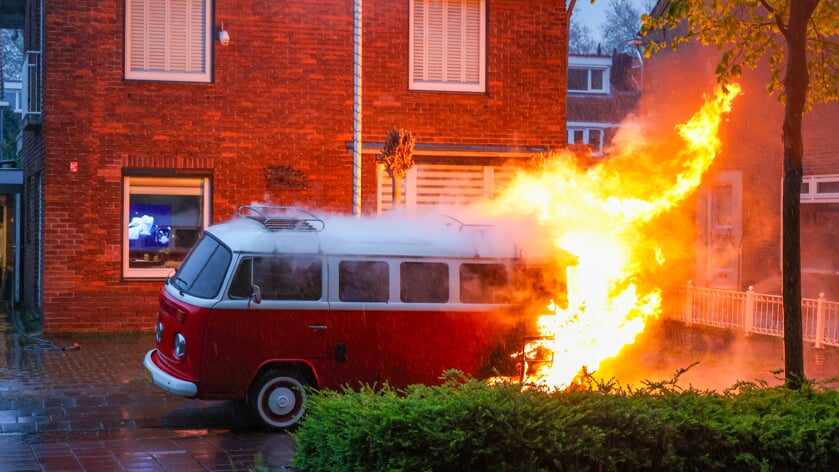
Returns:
point(468, 425)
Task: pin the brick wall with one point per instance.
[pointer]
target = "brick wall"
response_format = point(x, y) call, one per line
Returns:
point(281, 96)
point(820, 130)
point(752, 144)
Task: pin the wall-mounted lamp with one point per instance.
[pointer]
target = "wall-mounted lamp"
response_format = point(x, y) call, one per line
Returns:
point(636, 42)
point(223, 36)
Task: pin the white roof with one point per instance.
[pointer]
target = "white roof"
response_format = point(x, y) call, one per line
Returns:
point(425, 235)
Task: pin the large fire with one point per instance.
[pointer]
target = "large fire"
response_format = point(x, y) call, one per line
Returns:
point(599, 214)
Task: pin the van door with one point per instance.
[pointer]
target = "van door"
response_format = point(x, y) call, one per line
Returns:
point(288, 323)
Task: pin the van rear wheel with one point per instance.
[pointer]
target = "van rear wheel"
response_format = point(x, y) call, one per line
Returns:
point(278, 398)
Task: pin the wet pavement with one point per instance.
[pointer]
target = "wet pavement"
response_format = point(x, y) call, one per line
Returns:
point(93, 409)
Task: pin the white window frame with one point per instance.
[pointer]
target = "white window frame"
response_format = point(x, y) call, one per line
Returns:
point(13, 95)
point(589, 64)
point(814, 193)
point(197, 186)
point(195, 65)
point(455, 61)
point(587, 128)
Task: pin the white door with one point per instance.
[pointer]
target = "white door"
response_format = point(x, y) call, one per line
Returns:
point(723, 232)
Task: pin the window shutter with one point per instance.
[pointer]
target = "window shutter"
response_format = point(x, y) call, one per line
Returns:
point(418, 38)
point(455, 43)
point(167, 40)
point(435, 46)
point(178, 41)
point(137, 26)
point(448, 45)
point(154, 36)
point(472, 38)
point(198, 45)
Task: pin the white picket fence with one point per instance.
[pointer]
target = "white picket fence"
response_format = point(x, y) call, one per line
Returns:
point(755, 313)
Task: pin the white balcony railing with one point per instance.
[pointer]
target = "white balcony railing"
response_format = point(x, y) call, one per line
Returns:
point(756, 313)
point(32, 86)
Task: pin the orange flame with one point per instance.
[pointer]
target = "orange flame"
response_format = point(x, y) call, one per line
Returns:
point(599, 214)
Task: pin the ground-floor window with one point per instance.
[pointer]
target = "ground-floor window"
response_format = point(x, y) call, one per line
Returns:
point(819, 227)
point(819, 245)
point(588, 134)
point(429, 185)
point(162, 219)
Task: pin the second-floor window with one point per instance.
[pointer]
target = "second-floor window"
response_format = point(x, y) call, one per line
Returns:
point(589, 74)
point(587, 80)
point(168, 40)
point(448, 45)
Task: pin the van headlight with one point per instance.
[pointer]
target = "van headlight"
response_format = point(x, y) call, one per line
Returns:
point(180, 345)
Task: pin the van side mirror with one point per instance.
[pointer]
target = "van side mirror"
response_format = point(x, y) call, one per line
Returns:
point(256, 295)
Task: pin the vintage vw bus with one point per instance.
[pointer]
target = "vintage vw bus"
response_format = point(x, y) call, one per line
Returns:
point(278, 301)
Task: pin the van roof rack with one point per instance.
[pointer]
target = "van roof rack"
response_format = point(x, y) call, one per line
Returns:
point(469, 226)
point(277, 218)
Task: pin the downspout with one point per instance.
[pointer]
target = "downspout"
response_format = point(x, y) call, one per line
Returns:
point(16, 248)
point(356, 189)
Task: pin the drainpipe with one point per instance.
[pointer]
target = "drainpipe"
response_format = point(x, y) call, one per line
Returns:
point(356, 168)
point(16, 248)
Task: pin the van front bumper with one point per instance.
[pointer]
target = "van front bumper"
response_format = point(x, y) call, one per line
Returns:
point(166, 381)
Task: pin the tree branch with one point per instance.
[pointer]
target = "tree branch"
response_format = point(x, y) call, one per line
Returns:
point(778, 20)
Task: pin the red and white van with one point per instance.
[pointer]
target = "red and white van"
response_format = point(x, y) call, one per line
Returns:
point(278, 301)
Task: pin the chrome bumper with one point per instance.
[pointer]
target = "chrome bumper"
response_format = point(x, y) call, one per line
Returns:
point(165, 381)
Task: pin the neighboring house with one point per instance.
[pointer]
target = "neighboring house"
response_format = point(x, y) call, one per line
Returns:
point(602, 91)
point(738, 209)
point(141, 128)
point(11, 180)
point(13, 96)
point(11, 177)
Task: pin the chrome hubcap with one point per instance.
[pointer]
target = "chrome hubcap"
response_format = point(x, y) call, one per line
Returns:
point(281, 401)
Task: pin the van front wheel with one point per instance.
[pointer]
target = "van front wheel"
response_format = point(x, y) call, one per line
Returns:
point(278, 398)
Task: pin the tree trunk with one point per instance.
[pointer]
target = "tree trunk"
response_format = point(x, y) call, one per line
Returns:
point(397, 190)
point(795, 85)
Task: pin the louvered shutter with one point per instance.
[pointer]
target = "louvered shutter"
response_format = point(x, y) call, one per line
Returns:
point(168, 40)
point(430, 185)
point(448, 45)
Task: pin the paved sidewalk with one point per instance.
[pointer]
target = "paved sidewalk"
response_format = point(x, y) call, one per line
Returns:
point(92, 409)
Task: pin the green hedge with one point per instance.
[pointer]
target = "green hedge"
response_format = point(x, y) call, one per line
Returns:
point(466, 425)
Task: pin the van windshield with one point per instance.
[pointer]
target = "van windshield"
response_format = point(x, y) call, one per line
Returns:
point(203, 271)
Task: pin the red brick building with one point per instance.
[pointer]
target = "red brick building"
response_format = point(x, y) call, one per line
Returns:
point(143, 128)
point(738, 209)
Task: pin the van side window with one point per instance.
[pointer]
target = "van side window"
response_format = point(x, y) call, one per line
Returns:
point(363, 281)
point(240, 285)
point(540, 284)
point(279, 278)
point(483, 283)
point(424, 282)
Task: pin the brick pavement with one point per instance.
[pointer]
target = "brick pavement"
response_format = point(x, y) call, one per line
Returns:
point(92, 409)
